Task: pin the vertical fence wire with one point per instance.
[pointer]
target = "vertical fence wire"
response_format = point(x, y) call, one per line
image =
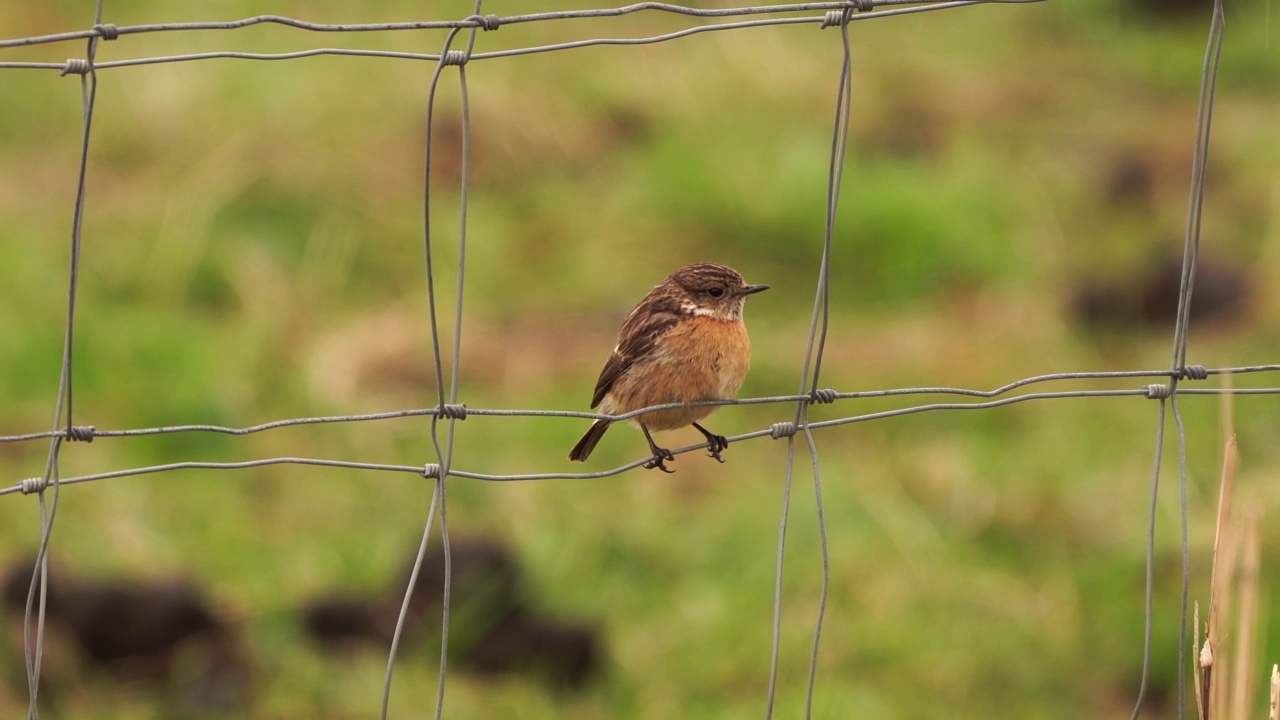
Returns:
point(1191, 255)
point(436, 499)
point(813, 358)
point(33, 648)
point(835, 176)
point(1179, 369)
point(447, 402)
point(1150, 567)
point(455, 370)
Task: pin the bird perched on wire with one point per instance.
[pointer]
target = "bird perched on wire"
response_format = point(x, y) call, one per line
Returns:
point(684, 343)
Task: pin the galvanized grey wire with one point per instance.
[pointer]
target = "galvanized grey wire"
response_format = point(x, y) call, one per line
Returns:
point(777, 431)
point(490, 22)
point(818, 325)
point(443, 456)
point(472, 23)
point(86, 433)
point(37, 592)
point(839, 141)
point(1190, 258)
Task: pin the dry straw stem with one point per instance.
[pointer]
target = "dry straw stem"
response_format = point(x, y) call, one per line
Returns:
point(1203, 667)
point(1210, 702)
point(1224, 683)
point(1226, 489)
point(1275, 693)
point(1219, 583)
point(1247, 624)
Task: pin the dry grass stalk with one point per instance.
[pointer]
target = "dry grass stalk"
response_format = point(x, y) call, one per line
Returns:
point(1275, 693)
point(1223, 682)
point(1226, 491)
point(1198, 668)
point(1212, 700)
point(1247, 624)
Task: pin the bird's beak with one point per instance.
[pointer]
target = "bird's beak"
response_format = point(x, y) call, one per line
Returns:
point(753, 289)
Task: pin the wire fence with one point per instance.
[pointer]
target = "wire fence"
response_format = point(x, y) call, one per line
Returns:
point(1165, 387)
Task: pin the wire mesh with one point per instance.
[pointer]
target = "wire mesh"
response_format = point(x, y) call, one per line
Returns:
point(1165, 388)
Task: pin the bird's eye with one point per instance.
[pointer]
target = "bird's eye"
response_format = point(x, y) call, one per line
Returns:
point(715, 292)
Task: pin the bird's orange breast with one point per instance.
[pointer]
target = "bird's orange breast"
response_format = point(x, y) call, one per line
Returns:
point(700, 358)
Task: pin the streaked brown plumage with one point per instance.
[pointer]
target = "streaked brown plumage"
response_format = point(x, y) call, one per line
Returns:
point(685, 342)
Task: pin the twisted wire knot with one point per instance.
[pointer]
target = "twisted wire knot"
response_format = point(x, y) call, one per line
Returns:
point(825, 396)
point(431, 471)
point(833, 18)
point(836, 18)
point(454, 57)
point(453, 412)
point(32, 485)
point(80, 433)
point(75, 66)
point(486, 22)
point(107, 31)
point(777, 431)
point(1156, 391)
point(1193, 372)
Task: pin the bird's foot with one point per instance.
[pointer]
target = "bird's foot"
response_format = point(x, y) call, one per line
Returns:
point(660, 455)
point(715, 443)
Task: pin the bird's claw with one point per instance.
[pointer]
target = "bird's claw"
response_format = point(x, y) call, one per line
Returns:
point(659, 456)
point(716, 443)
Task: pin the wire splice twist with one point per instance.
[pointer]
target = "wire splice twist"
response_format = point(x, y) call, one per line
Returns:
point(75, 66)
point(453, 412)
point(825, 396)
point(431, 471)
point(1193, 372)
point(486, 22)
point(836, 18)
point(454, 57)
point(32, 485)
point(107, 31)
point(833, 18)
point(80, 433)
point(1156, 391)
point(777, 431)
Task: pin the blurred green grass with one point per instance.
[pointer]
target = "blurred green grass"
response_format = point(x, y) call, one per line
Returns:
point(252, 252)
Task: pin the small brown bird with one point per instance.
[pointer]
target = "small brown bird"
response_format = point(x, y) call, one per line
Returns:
point(685, 342)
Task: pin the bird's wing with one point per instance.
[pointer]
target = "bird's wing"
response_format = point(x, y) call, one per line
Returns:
point(640, 332)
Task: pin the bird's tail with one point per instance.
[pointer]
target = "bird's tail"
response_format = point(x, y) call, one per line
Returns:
point(583, 449)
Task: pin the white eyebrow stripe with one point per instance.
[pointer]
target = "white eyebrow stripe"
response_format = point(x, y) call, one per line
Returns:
point(693, 309)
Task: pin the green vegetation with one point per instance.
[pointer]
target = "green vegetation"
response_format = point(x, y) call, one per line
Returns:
point(252, 251)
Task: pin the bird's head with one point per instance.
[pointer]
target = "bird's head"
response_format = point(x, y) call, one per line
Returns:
point(711, 290)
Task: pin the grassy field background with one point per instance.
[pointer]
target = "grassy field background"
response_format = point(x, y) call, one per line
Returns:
point(252, 251)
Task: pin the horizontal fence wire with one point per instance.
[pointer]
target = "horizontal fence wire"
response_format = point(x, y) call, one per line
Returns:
point(778, 430)
point(494, 22)
point(449, 411)
point(88, 434)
